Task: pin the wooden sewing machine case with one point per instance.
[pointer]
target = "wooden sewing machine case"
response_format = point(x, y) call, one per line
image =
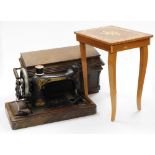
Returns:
point(56, 60)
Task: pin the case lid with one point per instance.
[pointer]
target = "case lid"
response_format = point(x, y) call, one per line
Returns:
point(55, 55)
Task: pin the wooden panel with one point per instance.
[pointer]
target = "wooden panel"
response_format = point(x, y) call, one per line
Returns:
point(94, 43)
point(55, 55)
point(116, 48)
point(130, 45)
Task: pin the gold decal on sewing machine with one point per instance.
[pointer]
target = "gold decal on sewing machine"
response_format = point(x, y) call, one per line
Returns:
point(58, 79)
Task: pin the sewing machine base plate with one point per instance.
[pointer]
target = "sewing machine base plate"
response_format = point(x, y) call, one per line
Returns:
point(48, 115)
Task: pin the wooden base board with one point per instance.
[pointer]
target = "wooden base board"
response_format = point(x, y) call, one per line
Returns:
point(49, 115)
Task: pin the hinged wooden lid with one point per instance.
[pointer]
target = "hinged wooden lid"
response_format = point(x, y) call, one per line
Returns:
point(50, 56)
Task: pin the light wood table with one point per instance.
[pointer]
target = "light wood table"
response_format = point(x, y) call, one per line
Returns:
point(114, 39)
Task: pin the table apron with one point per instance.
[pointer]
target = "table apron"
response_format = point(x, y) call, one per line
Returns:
point(94, 43)
point(114, 48)
point(130, 45)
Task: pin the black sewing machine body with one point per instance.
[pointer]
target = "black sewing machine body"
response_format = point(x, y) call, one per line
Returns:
point(50, 90)
point(56, 89)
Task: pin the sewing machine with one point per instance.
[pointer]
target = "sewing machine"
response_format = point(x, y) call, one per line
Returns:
point(46, 98)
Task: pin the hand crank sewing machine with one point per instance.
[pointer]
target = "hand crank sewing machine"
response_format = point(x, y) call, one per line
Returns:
point(52, 91)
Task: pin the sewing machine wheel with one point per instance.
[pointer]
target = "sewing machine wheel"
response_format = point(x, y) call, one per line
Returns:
point(22, 85)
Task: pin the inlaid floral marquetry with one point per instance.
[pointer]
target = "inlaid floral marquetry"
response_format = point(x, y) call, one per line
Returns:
point(113, 35)
point(113, 40)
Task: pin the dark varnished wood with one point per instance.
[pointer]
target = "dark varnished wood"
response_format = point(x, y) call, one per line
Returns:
point(49, 115)
point(59, 59)
point(55, 55)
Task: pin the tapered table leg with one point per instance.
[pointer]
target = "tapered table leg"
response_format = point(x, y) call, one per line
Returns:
point(112, 82)
point(142, 71)
point(84, 67)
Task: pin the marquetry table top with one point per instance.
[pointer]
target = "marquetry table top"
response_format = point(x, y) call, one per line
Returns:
point(112, 35)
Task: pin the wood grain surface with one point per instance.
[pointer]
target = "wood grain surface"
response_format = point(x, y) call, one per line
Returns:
point(115, 39)
point(113, 35)
point(50, 56)
point(44, 115)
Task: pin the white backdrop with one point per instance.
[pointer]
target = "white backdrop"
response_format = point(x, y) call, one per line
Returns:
point(16, 37)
